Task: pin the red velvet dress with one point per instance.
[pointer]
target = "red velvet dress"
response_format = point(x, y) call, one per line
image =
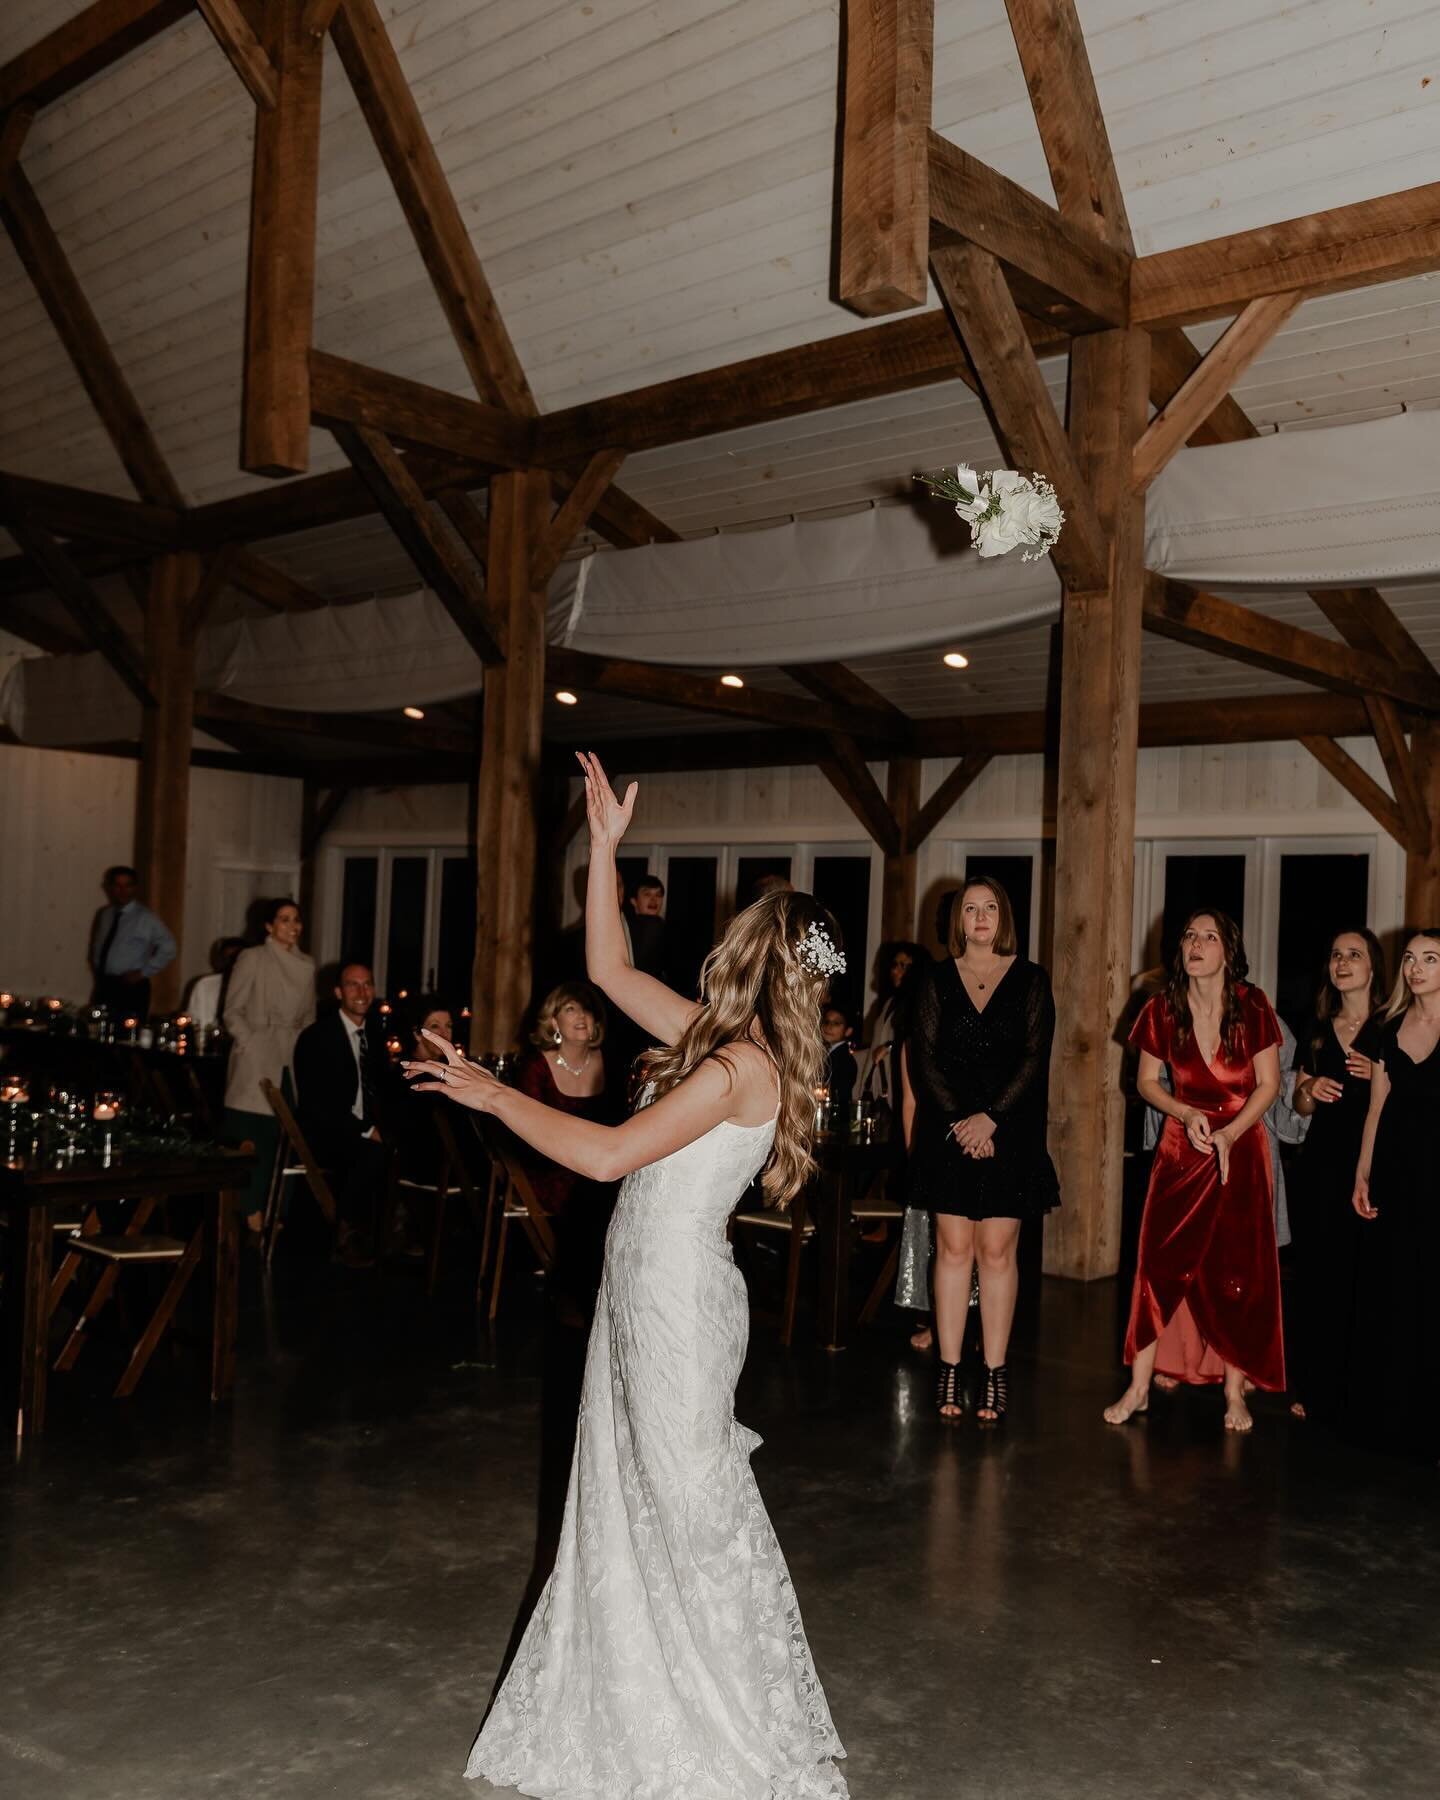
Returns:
point(1208, 1282)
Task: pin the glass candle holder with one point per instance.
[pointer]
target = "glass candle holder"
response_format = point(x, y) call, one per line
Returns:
point(107, 1108)
point(14, 1090)
point(129, 1027)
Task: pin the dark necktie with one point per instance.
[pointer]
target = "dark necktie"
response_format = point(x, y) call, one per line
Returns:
point(100, 970)
point(362, 1046)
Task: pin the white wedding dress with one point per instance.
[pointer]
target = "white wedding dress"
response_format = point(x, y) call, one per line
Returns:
point(666, 1659)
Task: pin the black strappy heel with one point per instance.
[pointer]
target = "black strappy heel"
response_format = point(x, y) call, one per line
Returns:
point(947, 1389)
point(997, 1393)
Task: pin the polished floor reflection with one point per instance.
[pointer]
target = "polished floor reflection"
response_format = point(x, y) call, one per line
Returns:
point(314, 1596)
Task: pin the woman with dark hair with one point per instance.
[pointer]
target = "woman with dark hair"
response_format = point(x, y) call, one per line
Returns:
point(268, 1003)
point(979, 1059)
point(1395, 1372)
point(1332, 1089)
point(1206, 1303)
point(666, 1654)
point(896, 966)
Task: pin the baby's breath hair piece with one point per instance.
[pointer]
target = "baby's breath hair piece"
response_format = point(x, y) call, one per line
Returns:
point(816, 950)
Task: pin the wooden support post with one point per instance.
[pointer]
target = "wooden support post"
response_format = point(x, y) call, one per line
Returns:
point(1422, 865)
point(508, 796)
point(280, 299)
point(897, 905)
point(1095, 824)
point(162, 809)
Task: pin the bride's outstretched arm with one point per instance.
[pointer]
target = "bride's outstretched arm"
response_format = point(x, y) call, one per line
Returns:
point(658, 1010)
point(698, 1104)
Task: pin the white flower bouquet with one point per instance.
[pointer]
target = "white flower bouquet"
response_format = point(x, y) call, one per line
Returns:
point(1004, 511)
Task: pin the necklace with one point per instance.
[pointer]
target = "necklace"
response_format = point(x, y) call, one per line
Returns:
point(570, 1068)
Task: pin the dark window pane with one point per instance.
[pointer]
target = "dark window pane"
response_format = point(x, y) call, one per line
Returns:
point(690, 883)
point(405, 940)
point(1193, 882)
point(843, 884)
point(455, 954)
point(1016, 874)
point(357, 909)
point(632, 868)
point(750, 869)
point(1319, 895)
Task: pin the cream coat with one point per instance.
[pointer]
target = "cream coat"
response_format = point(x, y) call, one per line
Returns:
point(270, 1001)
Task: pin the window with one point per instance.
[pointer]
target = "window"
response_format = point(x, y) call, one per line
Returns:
point(691, 893)
point(1320, 894)
point(1193, 881)
point(752, 869)
point(843, 884)
point(410, 914)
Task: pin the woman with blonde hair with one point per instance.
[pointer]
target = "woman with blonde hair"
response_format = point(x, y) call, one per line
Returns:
point(1396, 1367)
point(666, 1650)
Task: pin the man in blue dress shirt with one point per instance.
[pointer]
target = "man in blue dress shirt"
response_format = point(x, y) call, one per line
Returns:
point(129, 946)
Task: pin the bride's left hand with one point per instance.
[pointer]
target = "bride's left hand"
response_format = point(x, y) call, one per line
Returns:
point(456, 1078)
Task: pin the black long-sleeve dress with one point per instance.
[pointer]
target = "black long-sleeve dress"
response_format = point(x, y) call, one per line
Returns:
point(965, 1061)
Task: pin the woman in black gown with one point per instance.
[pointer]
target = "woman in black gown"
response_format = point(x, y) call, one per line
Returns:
point(1397, 1366)
point(1332, 1090)
point(979, 1060)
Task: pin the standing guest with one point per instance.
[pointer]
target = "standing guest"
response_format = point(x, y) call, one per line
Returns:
point(340, 1073)
point(895, 964)
point(129, 946)
point(205, 1002)
point(649, 901)
point(837, 1031)
point(1393, 1391)
point(1332, 1090)
point(646, 926)
point(269, 1002)
point(979, 1057)
point(566, 1072)
point(1206, 1303)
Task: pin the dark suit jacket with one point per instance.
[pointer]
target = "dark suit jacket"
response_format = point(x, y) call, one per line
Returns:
point(326, 1078)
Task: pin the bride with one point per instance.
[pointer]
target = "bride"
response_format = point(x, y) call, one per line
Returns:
point(666, 1658)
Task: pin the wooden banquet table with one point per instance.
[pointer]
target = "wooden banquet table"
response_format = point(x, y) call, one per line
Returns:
point(34, 1191)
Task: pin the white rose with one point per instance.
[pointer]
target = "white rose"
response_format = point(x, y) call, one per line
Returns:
point(997, 536)
point(1031, 514)
point(1005, 481)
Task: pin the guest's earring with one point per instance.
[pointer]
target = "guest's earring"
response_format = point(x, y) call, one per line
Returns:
point(558, 1039)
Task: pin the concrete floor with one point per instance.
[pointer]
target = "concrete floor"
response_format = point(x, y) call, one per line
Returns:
point(313, 1595)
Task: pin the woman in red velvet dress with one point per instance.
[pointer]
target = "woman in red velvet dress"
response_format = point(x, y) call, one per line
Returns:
point(1206, 1304)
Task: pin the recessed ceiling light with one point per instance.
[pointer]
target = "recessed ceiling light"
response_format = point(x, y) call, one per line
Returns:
point(731, 681)
point(566, 698)
point(413, 712)
point(954, 660)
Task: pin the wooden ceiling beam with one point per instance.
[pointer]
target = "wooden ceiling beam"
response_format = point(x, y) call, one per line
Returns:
point(410, 413)
point(1173, 360)
point(272, 587)
point(247, 54)
point(14, 129)
point(84, 513)
point(947, 796)
point(1389, 736)
point(1359, 784)
point(1207, 385)
point(1345, 247)
point(1067, 112)
point(1363, 618)
point(435, 221)
point(19, 577)
point(280, 289)
point(472, 527)
point(438, 557)
point(572, 515)
point(1063, 273)
point(1021, 410)
point(840, 686)
point(213, 581)
point(35, 628)
point(78, 598)
point(622, 520)
point(884, 206)
point(85, 343)
point(845, 768)
point(378, 729)
point(84, 45)
point(1205, 621)
point(318, 14)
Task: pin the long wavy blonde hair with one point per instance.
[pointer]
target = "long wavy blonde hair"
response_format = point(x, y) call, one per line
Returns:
point(754, 976)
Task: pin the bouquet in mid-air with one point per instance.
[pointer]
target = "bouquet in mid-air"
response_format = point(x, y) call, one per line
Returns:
point(1004, 511)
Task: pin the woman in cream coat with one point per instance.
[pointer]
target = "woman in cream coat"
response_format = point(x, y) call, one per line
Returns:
point(270, 1001)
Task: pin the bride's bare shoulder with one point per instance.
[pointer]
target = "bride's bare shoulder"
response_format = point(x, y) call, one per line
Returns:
point(751, 1070)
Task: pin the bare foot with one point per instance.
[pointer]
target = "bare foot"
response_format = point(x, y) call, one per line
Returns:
point(1166, 1383)
point(922, 1338)
point(1297, 1409)
point(1237, 1413)
point(1131, 1402)
point(255, 1221)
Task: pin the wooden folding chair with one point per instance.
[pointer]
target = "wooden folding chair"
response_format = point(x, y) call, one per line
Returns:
point(797, 1222)
point(512, 1202)
point(133, 1246)
point(454, 1174)
point(300, 1161)
point(873, 1208)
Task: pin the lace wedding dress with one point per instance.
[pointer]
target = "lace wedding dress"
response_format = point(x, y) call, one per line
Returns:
point(666, 1659)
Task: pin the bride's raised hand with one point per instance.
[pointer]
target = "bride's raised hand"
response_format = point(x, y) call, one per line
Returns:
point(452, 1075)
point(609, 818)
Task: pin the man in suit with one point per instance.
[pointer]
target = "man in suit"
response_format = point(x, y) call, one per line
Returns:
point(340, 1075)
point(128, 947)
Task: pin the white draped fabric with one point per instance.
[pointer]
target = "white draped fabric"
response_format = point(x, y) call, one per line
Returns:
point(1350, 505)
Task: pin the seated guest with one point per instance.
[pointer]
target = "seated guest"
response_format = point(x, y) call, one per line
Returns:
point(128, 947)
point(206, 1000)
point(340, 1080)
point(270, 999)
point(566, 1071)
point(418, 1140)
point(837, 1031)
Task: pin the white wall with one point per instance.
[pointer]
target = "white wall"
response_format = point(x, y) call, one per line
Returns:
point(64, 817)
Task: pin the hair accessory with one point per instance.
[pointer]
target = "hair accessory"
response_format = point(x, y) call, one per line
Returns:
point(817, 951)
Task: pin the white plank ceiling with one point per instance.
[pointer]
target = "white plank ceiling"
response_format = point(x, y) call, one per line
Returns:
point(649, 184)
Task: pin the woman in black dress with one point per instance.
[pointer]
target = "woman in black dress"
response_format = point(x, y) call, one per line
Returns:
point(1332, 1090)
point(1397, 1367)
point(979, 1059)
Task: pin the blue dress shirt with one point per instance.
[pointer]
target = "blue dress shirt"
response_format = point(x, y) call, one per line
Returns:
point(143, 944)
